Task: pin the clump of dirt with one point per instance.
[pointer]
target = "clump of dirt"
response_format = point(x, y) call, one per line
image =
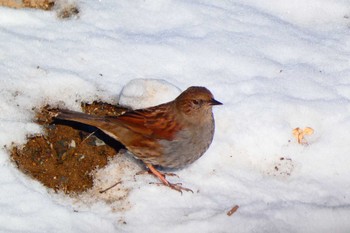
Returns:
point(68, 10)
point(282, 168)
point(39, 4)
point(64, 9)
point(65, 156)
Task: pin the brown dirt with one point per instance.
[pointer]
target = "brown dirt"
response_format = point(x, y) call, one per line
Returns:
point(39, 4)
point(63, 10)
point(68, 11)
point(65, 156)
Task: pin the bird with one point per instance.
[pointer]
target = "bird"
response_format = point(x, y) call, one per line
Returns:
point(170, 135)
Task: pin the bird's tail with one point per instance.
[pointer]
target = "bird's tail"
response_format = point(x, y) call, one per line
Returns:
point(69, 115)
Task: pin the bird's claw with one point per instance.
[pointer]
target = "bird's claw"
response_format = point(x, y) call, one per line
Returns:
point(176, 186)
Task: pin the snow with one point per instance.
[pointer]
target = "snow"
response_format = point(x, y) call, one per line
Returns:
point(144, 93)
point(276, 65)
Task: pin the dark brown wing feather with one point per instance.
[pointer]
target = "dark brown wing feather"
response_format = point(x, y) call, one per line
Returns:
point(152, 122)
point(135, 129)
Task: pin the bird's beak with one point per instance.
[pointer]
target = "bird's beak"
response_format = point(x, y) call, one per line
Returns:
point(215, 102)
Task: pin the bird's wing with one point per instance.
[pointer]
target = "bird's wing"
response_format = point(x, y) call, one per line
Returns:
point(152, 122)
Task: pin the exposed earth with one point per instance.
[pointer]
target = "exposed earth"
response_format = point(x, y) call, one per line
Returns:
point(65, 156)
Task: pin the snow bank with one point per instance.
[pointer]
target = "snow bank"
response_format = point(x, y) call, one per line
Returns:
point(275, 66)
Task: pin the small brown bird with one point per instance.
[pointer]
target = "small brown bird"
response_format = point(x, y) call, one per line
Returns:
point(170, 135)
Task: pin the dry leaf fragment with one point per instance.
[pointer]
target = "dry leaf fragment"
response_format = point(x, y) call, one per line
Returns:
point(300, 133)
point(308, 131)
point(233, 210)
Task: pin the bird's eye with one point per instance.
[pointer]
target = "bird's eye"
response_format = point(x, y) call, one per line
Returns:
point(197, 102)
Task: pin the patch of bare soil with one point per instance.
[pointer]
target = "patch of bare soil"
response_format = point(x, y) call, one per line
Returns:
point(64, 9)
point(39, 4)
point(65, 157)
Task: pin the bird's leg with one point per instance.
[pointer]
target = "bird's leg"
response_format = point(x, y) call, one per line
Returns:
point(164, 174)
point(162, 178)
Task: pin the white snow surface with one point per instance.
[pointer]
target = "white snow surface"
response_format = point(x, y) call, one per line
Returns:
point(276, 65)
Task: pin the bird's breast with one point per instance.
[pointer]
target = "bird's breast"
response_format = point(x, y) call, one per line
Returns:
point(188, 145)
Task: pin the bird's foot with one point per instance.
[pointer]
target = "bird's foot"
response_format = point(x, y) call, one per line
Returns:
point(161, 176)
point(176, 186)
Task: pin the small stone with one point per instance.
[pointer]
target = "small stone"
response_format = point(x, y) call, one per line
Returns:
point(72, 144)
point(99, 142)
